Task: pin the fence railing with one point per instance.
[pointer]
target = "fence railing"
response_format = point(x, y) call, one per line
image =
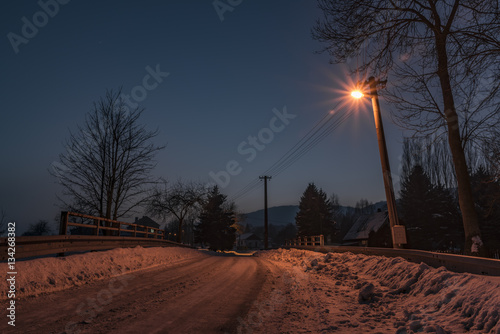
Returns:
point(103, 234)
point(34, 246)
point(315, 240)
point(114, 226)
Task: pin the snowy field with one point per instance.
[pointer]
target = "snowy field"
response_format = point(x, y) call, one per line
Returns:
point(348, 293)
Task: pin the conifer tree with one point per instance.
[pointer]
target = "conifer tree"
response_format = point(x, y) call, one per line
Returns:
point(216, 220)
point(315, 216)
point(486, 190)
point(430, 213)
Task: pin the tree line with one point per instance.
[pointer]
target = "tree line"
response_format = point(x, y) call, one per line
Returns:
point(441, 61)
point(429, 200)
point(99, 176)
point(428, 203)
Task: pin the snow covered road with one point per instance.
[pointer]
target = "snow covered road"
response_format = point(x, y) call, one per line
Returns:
point(202, 294)
point(179, 290)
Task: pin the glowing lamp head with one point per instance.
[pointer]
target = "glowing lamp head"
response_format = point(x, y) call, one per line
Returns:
point(357, 94)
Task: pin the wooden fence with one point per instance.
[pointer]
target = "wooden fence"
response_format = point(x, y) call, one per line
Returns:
point(124, 235)
point(99, 226)
point(34, 246)
point(316, 240)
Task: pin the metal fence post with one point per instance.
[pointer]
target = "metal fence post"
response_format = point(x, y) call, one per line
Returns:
point(63, 226)
point(96, 222)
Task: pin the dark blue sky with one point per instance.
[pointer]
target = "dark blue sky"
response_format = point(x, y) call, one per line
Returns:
point(225, 78)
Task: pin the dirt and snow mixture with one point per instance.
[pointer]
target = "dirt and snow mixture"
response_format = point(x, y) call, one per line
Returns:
point(44, 275)
point(354, 293)
point(308, 292)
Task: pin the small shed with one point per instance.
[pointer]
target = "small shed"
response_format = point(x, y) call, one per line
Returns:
point(144, 221)
point(364, 225)
point(249, 241)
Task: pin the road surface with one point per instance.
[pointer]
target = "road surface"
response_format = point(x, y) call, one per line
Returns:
point(192, 296)
point(280, 291)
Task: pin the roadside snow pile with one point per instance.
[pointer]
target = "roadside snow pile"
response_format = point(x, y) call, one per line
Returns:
point(427, 299)
point(53, 274)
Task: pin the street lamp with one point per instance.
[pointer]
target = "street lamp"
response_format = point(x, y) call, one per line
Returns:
point(398, 231)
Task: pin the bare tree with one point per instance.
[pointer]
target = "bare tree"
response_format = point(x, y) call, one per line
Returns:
point(180, 200)
point(432, 49)
point(491, 149)
point(40, 228)
point(105, 170)
point(432, 154)
point(364, 207)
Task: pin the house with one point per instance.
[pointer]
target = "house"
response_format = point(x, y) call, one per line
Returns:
point(366, 227)
point(249, 241)
point(144, 221)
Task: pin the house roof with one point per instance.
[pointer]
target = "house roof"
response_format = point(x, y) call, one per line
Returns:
point(365, 224)
point(146, 221)
point(249, 236)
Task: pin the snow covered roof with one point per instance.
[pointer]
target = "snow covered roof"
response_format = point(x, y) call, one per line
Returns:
point(365, 224)
point(146, 221)
point(249, 236)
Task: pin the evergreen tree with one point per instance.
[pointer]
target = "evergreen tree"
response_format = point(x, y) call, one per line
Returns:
point(430, 213)
point(287, 232)
point(216, 222)
point(315, 214)
point(486, 190)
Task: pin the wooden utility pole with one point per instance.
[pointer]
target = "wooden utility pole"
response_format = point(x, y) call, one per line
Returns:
point(397, 230)
point(266, 231)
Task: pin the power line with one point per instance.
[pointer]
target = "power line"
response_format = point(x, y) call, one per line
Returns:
point(290, 152)
point(312, 144)
point(324, 127)
point(254, 184)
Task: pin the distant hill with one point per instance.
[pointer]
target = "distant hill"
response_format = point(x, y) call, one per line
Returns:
point(382, 205)
point(278, 215)
point(285, 214)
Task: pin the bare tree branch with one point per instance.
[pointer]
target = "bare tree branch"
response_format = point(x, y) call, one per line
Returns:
point(106, 168)
point(181, 200)
point(441, 56)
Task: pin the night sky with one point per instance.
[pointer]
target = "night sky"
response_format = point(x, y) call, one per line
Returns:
point(225, 78)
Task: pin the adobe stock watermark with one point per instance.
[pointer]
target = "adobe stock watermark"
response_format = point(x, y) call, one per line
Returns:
point(251, 147)
point(138, 93)
point(149, 82)
point(265, 308)
point(223, 6)
point(30, 28)
point(90, 309)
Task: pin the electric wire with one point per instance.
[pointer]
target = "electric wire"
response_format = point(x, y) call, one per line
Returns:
point(323, 128)
point(313, 143)
point(284, 158)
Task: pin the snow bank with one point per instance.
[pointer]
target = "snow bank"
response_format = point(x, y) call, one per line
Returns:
point(43, 275)
point(427, 299)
